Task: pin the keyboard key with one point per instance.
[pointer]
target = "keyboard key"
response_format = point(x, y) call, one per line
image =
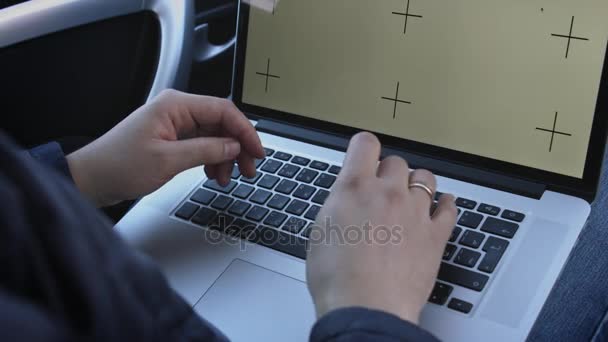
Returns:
point(289, 171)
point(467, 257)
point(294, 225)
point(240, 228)
point(335, 169)
point(260, 196)
point(470, 219)
point(320, 196)
point(325, 180)
point(513, 216)
point(272, 166)
point(204, 216)
point(304, 191)
point(221, 222)
point(239, 208)
point(488, 209)
point(437, 195)
point(460, 305)
point(268, 151)
point(268, 181)
point(300, 161)
point(449, 251)
point(252, 180)
point(203, 196)
point(280, 241)
point(213, 185)
point(494, 248)
point(186, 211)
point(286, 186)
point(441, 293)
point(307, 176)
point(466, 203)
point(495, 245)
point(278, 202)
point(258, 162)
point(236, 173)
point(462, 277)
point(472, 239)
point(221, 202)
point(297, 207)
point(317, 165)
point(312, 213)
point(308, 230)
point(257, 213)
point(243, 191)
point(282, 155)
point(455, 233)
point(500, 227)
point(275, 219)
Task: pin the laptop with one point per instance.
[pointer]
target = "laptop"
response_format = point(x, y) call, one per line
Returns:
point(506, 102)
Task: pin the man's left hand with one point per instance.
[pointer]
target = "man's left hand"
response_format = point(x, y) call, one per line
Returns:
point(173, 133)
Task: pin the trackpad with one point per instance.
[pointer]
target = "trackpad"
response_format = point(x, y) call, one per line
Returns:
point(251, 303)
point(525, 272)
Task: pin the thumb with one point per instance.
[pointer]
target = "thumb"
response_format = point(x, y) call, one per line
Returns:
point(203, 151)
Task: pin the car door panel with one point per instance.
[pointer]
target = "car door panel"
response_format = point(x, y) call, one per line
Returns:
point(78, 82)
point(213, 48)
point(77, 67)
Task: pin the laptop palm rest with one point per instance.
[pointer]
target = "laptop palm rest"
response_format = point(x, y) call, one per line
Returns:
point(528, 266)
point(251, 303)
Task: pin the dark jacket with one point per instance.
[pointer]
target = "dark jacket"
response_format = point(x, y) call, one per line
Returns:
point(66, 275)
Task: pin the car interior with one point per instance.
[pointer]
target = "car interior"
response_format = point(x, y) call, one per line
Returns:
point(110, 68)
point(71, 70)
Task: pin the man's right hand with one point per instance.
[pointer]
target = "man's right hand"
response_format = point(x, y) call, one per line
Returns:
point(395, 276)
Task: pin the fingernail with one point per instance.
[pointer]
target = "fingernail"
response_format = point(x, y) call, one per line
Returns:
point(232, 149)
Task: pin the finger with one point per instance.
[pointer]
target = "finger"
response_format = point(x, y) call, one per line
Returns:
point(395, 170)
point(211, 111)
point(422, 198)
point(246, 164)
point(186, 154)
point(445, 216)
point(224, 171)
point(362, 156)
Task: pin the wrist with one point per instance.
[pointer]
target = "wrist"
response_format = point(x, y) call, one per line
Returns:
point(84, 179)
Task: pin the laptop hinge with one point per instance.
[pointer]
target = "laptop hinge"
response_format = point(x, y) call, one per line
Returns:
point(440, 167)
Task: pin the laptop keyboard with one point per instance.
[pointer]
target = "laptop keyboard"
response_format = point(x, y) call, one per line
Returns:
point(278, 206)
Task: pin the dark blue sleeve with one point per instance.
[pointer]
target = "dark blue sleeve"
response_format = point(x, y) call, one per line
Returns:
point(601, 335)
point(360, 324)
point(66, 275)
point(52, 155)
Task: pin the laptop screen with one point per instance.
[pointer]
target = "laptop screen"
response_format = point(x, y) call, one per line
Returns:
point(511, 81)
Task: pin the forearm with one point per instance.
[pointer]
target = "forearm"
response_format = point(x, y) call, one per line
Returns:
point(84, 177)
